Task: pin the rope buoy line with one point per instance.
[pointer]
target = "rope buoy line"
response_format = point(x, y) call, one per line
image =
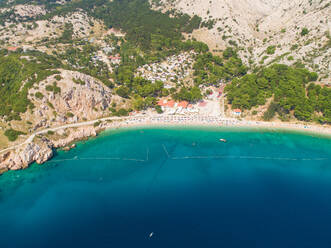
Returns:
point(98, 158)
point(246, 157)
point(195, 157)
point(238, 157)
point(189, 157)
point(147, 154)
point(165, 150)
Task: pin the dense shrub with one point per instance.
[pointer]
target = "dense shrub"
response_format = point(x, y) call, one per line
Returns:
point(12, 134)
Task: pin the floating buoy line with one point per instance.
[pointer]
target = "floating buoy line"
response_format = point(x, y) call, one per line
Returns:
point(216, 156)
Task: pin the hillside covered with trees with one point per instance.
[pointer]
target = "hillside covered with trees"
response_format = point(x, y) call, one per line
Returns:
point(291, 90)
point(17, 76)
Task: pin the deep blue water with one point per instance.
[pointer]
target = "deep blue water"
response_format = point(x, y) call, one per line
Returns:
point(260, 189)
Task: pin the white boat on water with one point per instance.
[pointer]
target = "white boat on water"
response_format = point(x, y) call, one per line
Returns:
point(223, 140)
point(151, 234)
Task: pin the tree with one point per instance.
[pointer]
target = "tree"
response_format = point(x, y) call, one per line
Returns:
point(12, 134)
point(123, 91)
point(304, 31)
point(271, 50)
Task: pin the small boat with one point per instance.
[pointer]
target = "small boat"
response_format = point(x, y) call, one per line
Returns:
point(151, 234)
point(223, 140)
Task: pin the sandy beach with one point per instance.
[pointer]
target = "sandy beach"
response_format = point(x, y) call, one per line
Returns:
point(214, 121)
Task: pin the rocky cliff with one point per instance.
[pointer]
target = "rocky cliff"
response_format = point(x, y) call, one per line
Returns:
point(41, 150)
point(24, 156)
point(255, 25)
point(68, 97)
point(63, 98)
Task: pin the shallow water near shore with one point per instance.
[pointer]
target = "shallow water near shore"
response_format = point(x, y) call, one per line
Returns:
point(259, 189)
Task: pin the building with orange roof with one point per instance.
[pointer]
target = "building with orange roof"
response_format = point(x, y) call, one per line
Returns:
point(161, 103)
point(236, 112)
point(12, 49)
point(164, 103)
point(183, 104)
point(170, 104)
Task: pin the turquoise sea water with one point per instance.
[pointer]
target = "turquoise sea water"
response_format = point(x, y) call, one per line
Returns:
point(260, 189)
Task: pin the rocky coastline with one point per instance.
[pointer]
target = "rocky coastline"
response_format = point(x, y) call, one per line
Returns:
point(43, 150)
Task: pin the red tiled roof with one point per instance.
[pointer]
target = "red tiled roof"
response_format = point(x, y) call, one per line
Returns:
point(161, 103)
point(12, 48)
point(183, 104)
point(166, 103)
point(170, 103)
point(237, 110)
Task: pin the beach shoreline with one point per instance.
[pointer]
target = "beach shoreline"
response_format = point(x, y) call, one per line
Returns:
point(241, 128)
point(30, 151)
point(231, 123)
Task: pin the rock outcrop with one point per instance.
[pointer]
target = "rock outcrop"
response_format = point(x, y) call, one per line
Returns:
point(33, 30)
point(79, 134)
point(68, 97)
point(23, 157)
point(81, 97)
point(42, 151)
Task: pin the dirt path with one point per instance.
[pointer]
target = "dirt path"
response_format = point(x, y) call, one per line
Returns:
point(53, 129)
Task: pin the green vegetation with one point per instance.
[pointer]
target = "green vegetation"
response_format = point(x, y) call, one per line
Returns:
point(50, 132)
point(142, 91)
point(96, 124)
point(80, 59)
point(319, 98)
point(58, 77)
point(79, 81)
point(39, 95)
point(47, 3)
point(53, 88)
point(208, 24)
point(271, 50)
point(12, 134)
point(67, 33)
point(5, 16)
point(70, 115)
point(17, 76)
point(293, 47)
point(123, 91)
point(304, 31)
point(50, 104)
point(210, 70)
point(121, 112)
point(135, 18)
point(142, 24)
point(287, 87)
point(188, 94)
